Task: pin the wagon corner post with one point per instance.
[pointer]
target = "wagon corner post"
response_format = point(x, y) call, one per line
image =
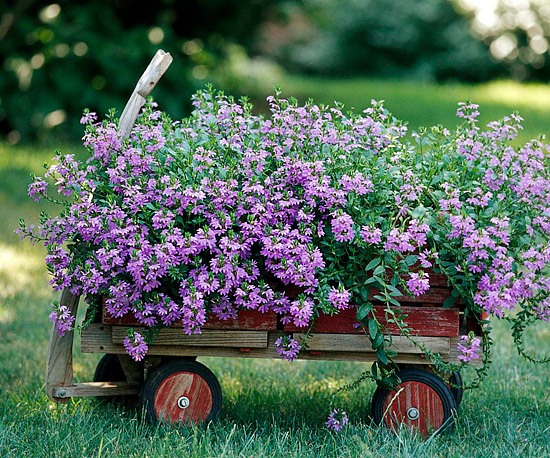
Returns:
point(59, 360)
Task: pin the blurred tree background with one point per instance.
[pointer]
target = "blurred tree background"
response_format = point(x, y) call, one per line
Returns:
point(58, 58)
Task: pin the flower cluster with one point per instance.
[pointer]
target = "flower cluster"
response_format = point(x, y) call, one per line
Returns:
point(227, 210)
point(62, 318)
point(469, 347)
point(288, 348)
point(135, 346)
point(337, 419)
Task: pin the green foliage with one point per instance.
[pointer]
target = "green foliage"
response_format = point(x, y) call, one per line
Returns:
point(424, 39)
point(58, 59)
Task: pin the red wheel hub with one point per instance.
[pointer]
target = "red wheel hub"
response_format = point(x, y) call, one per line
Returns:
point(184, 397)
point(416, 405)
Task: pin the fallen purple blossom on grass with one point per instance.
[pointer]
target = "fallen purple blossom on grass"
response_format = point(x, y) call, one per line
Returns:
point(337, 420)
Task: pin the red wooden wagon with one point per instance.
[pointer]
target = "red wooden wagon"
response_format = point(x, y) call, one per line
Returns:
point(173, 386)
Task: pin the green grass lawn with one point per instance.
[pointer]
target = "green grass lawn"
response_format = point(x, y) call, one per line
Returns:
point(270, 408)
point(423, 104)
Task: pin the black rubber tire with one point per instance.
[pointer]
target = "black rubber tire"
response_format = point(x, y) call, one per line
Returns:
point(154, 389)
point(456, 387)
point(109, 369)
point(433, 383)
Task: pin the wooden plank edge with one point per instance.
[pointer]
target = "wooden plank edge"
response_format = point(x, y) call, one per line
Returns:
point(96, 338)
point(208, 338)
point(361, 343)
point(88, 389)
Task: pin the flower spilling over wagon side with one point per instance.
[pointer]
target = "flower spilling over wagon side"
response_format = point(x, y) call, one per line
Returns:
point(310, 211)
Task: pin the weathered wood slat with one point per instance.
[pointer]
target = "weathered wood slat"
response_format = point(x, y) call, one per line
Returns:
point(361, 343)
point(95, 389)
point(246, 320)
point(208, 338)
point(424, 321)
point(96, 338)
point(251, 320)
point(432, 296)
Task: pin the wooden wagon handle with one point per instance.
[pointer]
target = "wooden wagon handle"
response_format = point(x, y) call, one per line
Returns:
point(153, 73)
point(59, 361)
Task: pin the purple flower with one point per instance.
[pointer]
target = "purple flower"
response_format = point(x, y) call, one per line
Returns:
point(542, 310)
point(37, 189)
point(62, 318)
point(89, 117)
point(287, 348)
point(135, 345)
point(337, 419)
point(339, 298)
point(468, 111)
point(359, 184)
point(371, 235)
point(301, 311)
point(419, 283)
point(342, 227)
point(468, 347)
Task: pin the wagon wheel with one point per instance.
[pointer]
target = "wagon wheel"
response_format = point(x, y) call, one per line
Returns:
point(181, 391)
point(456, 386)
point(421, 401)
point(109, 369)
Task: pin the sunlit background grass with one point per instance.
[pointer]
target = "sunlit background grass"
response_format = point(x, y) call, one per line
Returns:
point(270, 408)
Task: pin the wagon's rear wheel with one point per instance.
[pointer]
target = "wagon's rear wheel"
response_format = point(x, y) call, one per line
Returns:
point(421, 401)
point(109, 369)
point(181, 391)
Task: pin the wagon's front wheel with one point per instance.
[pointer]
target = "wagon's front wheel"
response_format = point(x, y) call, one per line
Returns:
point(456, 385)
point(421, 401)
point(181, 391)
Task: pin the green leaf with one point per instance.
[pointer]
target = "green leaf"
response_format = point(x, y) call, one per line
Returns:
point(379, 270)
point(449, 302)
point(374, 370)
point(394, 302)
point(418, 212)
point(363, 311)
point(371, 265)
point(378, 342)
point(394, 291)
point(373, 329)
point(381, 354)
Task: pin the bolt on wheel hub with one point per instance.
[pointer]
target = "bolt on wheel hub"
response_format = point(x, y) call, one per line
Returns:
point(183, 402)
point(413, 413)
